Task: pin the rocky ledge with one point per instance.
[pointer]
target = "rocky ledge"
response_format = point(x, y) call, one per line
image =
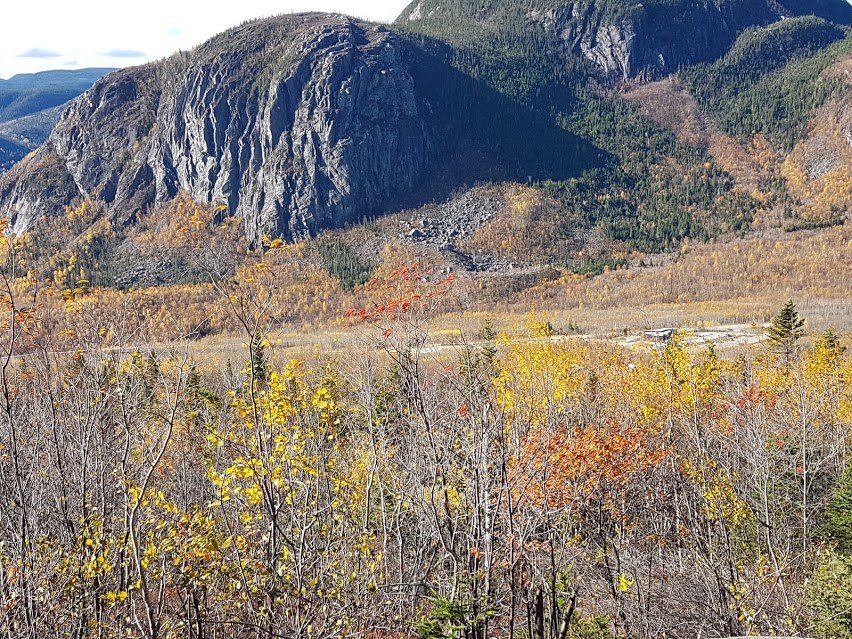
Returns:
point(294, 123)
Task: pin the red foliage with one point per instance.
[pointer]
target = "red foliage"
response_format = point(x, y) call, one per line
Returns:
point(564, 467)
point(756, 396)
point(419, 294)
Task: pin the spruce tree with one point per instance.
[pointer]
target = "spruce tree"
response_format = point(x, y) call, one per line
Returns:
point(829, 342)
point(489, 348)
point(787, 327)
point(258, 358)
point(829, 591)
point(837, 518)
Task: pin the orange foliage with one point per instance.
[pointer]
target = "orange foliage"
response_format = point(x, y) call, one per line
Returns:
point(565, 467)
point(403, 300)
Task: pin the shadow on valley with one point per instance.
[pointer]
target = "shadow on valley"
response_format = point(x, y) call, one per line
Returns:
point(483, 135)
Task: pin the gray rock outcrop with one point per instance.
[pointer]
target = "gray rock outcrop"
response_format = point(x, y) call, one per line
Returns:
point(625, 39)
point(294, 124)
point(650, 40)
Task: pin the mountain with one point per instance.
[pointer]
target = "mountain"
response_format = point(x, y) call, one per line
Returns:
point(301, 123)
point(624, 38)
point(295, 124)
point(30, 106)
point(28, 93)
point(10, 152)
point(770, 80)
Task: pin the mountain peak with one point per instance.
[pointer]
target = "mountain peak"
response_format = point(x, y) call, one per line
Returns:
point(294, 123)
point(302, 122)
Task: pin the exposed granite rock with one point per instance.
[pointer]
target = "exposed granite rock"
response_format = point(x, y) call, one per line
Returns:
point(651, 40)
point(443, 225)
point(457, 218)
point(625, 38)
point(294, 123)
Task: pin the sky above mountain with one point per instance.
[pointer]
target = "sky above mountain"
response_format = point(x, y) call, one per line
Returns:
point(57, 34)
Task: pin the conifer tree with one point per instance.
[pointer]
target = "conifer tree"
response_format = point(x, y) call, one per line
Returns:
point(787, 327)
point(837, 518)
point(258, 358)
point(829, 341)
point(829, 591)
point(489, 348)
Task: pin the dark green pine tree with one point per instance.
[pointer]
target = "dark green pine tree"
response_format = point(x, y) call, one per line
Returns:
point(836, 522)
point(258, 359)
point(830, 342)
point(787, 327)
point(489, 348)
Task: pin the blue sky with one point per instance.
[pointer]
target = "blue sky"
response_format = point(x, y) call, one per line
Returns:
point(56, 34)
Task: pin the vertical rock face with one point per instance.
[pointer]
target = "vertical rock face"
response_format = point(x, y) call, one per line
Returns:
point(625, 38)
point(651, 40)
point(294, 123)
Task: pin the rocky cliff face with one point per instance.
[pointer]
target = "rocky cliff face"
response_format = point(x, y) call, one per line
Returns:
point(310, 121)
point(625, 38)
point(294, 123)
point(650, 41)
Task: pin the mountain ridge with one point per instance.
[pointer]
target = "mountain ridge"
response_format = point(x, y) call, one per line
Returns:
point(198, 121)
point(30, 106)
point(624, 39)
point(302, 123)
point(326, 120)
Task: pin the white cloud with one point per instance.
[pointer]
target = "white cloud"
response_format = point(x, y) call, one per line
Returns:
point(124, 53)
point(89, 33)
point(39, 53)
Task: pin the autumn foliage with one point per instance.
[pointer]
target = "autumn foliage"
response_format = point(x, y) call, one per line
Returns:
point(565, 469)
point(514, 484)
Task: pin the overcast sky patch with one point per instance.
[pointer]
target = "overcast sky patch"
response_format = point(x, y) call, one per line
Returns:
point(85, 30)
point(124, 53)
point(39, 53)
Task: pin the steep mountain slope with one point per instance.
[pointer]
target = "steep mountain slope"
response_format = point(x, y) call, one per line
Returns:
point(10, 152)
point(302, 123)
point(783, 92)
point(30, 106)
point(32, 130)
point(294, 124)
point(28, 93)
point(818, 171)
point(770, 79)
point(623, 38)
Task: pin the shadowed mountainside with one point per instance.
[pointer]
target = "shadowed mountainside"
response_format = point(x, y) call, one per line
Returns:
point(295, 124)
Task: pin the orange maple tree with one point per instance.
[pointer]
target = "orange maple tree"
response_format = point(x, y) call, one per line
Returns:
point(565, 467)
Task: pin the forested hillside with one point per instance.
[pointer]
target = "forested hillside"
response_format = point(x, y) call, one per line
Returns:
point(656, 190)
point(511, 320)
point(503, 92)
point(29, 93)
point(30, 106)
point(770, 81)
point(516, 486)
